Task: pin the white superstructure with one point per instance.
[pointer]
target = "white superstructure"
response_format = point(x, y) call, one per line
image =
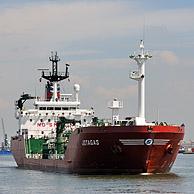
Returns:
point(40, 121)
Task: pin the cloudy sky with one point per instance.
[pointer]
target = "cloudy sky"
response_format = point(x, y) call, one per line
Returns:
point(96, 38)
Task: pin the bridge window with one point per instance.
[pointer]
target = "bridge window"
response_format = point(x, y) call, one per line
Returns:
point(57, 108)
point(42, 108)
point(49, 108)
point(72, 108)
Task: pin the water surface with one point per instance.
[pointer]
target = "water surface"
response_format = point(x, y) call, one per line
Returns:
point(18, 181)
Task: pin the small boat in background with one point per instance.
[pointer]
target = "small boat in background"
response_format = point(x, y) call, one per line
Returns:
point(181, 150)
point(5, 147)
point(187, 148)
point(5, 152)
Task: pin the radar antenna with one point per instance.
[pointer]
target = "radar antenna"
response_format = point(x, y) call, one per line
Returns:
point(54, 75)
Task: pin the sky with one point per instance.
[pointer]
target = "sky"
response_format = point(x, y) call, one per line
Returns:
point(96, 38)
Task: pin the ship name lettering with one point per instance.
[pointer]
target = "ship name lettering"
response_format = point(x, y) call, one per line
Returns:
point(90, 142)
point(42, 124)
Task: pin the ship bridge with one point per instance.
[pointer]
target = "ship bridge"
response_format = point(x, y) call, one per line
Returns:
point(41, 120)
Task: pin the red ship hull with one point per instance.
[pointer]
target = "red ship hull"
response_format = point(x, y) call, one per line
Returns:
point(110, 150)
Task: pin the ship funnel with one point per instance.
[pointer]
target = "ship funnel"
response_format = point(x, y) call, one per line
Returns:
point(76, 91)
point(115, 105)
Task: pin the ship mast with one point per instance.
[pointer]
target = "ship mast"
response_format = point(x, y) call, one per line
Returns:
point(55, 76)
point(139, 76)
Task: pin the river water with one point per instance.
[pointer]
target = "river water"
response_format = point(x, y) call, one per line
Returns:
point(18, 181)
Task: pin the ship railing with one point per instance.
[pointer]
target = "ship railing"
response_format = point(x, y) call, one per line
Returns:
point(50, 156)
point(56, 156)
point(60, 73)
point(101, 122)
point(63, 98)
point(34, 156)
point(60, 156)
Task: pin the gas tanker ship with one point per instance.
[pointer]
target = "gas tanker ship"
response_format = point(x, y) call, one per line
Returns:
point(57, 135)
